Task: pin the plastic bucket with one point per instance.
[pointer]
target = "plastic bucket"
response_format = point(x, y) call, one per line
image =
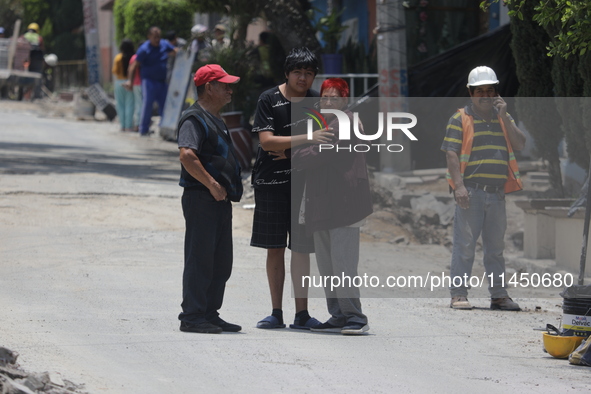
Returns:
point(576, 317)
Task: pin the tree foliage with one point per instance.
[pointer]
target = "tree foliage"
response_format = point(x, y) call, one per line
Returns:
point(60, 23)
point(568, 26)
point(287, 18)
point(10, 12)
point(534, 71)
point(133, 18)
point(572, 17)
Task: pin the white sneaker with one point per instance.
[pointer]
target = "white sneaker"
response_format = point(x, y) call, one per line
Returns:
point(460, 302)
point(354, 329)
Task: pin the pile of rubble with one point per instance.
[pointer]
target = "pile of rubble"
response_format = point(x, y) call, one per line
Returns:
point(405, 216)
point(13, 380)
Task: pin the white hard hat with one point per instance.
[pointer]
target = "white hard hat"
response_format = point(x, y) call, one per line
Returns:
point(51, 60)
point(482, 76)
point(198, 29)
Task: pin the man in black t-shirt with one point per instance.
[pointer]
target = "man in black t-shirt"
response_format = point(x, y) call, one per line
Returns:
point(271, 180)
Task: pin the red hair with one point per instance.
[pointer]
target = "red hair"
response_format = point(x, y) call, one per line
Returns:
point(337, 83)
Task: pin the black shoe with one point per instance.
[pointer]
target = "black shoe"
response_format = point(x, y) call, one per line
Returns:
point(326, 327)
point(225, 326)
point(202, 328)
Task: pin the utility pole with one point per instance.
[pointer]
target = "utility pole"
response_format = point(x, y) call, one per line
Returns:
point(93, 55)
point(393, 77)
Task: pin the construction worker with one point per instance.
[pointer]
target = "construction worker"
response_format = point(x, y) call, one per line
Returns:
point(36, 52)
point(479, 143)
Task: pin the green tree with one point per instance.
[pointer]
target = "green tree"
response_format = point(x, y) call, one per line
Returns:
point(10, 11)
point(119, 17)
point(568, 27)
point(534, 71)
point(287, 18)
point(59, 22)
point(133, 18)
point(572, 19)
point(36, 11)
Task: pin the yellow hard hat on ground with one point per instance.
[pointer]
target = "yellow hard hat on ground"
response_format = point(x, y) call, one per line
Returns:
point(33, 26)
point(561, 346)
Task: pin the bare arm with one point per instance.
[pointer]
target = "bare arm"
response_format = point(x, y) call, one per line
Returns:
point(193, 165)
point(516, 136)
point(460, 192)
point(271, 142)
point(130, 73)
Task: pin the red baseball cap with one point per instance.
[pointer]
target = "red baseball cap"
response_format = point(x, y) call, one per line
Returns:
point(213, 72)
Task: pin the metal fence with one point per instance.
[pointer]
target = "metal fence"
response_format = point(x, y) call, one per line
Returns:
point(4, 44)
point(358, 83)
point(70, 74)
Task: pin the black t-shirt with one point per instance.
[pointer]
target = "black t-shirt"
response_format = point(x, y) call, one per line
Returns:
point(273, 113)
point(192, 135)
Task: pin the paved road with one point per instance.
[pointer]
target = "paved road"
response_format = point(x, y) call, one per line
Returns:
point(91, 238)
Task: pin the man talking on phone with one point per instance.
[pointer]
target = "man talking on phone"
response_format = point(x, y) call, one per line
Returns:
point(479, 143)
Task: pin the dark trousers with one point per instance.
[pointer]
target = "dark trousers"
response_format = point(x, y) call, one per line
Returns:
point(208, 255)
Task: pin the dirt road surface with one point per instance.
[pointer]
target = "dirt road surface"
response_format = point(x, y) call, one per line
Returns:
point(91, 239)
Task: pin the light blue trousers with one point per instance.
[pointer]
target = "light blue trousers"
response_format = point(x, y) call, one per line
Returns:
point(125, 104)
point(137, 104)
point(486, 216)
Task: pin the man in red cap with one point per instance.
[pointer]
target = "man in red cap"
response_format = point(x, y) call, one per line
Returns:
point(210, 176)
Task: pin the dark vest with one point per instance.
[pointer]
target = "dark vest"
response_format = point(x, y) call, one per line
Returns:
point(217, 155)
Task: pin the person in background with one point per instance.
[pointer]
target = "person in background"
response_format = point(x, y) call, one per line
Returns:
point(35, 61)
point(152, 56)
point(264, 76)
point(337, 201)
point(176, 42)
point(200, 44)
point(2, 32)
point(174, 39)
point(220, 41)
point(137, 92)
point(37, 48)
point(123, 97)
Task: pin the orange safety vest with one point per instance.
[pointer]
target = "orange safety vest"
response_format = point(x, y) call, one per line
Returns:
point(513, 182)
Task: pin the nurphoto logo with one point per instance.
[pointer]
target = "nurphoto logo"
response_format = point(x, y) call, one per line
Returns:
point(345, 129)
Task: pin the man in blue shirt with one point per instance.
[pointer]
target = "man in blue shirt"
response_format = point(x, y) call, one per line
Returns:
point(152, 56)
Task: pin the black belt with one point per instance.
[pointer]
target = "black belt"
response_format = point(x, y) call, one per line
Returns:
point(486, 188)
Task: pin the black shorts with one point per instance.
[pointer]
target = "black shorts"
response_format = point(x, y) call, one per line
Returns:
point(272, 223)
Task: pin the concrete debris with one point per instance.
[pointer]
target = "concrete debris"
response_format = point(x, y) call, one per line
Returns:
point(10, 386)
point(440, 212)
point(517, 239)
point(56, 379)
point(14, 380)
point(37, 381)
point(7, 356)
point(407, 218)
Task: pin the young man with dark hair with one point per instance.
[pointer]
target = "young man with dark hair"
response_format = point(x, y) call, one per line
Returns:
point(272, 183)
